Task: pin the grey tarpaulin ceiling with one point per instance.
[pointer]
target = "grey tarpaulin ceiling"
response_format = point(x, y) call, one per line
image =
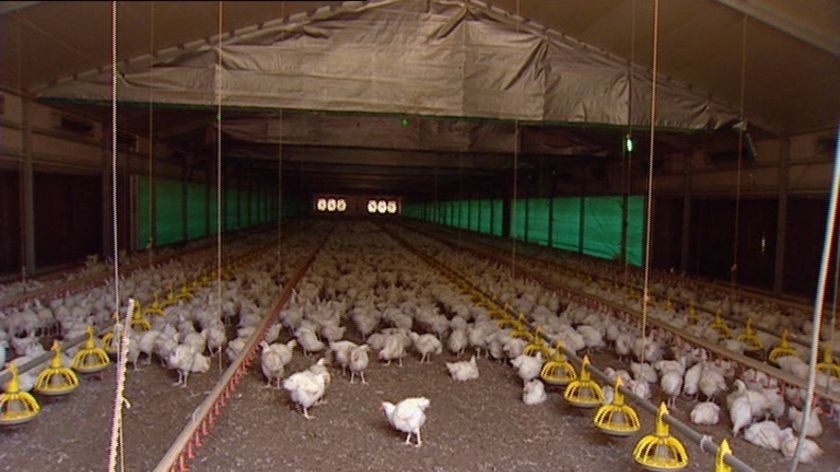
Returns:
point(416, 57)
point(441, 61)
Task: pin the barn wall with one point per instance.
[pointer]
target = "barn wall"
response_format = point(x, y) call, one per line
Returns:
point(10, 257)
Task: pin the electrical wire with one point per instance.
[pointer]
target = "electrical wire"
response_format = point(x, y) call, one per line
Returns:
point(219, 167)
point(733, 270)
point(152, 226)
point(649, 209)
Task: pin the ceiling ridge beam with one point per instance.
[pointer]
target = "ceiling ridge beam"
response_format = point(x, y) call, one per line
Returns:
point(778, 20)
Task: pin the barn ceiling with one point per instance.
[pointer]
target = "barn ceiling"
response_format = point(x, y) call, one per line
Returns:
point(790, 74)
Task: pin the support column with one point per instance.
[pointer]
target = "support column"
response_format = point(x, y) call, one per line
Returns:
point(27, 191)
point(685, 242)
point(582, 226)
point(107, 197)
point(781, 218)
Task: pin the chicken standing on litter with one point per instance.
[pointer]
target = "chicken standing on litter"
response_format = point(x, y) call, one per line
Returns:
point(407, 416)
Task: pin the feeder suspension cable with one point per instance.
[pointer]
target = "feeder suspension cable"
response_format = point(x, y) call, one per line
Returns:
point(151, 241)
point(219, 168)
point(116, 429)
point(733, 276)
point(649, 209)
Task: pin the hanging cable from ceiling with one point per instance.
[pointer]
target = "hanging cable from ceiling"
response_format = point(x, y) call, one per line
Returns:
point(627, 142)
point(512, 225)
point(649, 209)
point(152, 227)
point(742, 127)
point(219, 166)
point(116, 426)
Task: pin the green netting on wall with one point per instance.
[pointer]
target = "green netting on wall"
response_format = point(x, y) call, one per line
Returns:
point(518, 217)
point(231, 209)
point(475, 214)
point(169, 212)
point(538, 220)
point(566, 226)
point(497, 211)
point(196, 211)
point(602, 227)
point(143, 210)
point(635, 229)
point(485, 216)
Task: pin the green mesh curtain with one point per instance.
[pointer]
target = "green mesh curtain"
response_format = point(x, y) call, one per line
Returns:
point(566, 227)
point(538, 219)
point(143, 211)
point(497, 209)
point(635, 229)
point(475, 214)
point(196, 211)
point(602, 227)
point(485, 216)
point(169, 212)
point(518, 217)
point(231, 209)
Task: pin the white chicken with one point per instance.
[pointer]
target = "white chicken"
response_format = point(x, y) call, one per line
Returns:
point(457, 341)
point(765, 434)
point(528, 367)
point(671, 383)
point(810, 450)
point(740, 414)
point(307, 387)
point(463, 371)
point(426, 345)
point(186, 359)
point(394, 348)
point(705, 413)
point(271, 363)
point(533, 393)
point(359, 362)
point(341, 351)
point(407, 416)
point(814, 426)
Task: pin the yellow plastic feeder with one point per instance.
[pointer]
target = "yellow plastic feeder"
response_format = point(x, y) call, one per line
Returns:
point(827, 366)
point(16, 407)
point(558, 371)
point(584, 392)
point(720, 326)
point(57, 379)
point(749, 339)
point(693, 318)
point(617, 418)
point(723, 451)
point(155, 308)
point(783, 349)
point(138, 322)
point(660, 452)
point(91, 358)
point(537, 346)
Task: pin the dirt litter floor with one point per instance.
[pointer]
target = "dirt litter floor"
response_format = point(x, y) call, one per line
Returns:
point(480, 425)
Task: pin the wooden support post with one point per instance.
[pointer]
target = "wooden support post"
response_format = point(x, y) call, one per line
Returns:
point(685, 241)
point(27, 191)
point(781, 218)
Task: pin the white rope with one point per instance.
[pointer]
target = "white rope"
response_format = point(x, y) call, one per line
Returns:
point(818, 304)
point(116, 426)
point(119, 397)
point(649, 209)
point(219, 170)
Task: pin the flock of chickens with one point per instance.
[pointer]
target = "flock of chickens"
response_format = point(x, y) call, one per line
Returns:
point(355, 304)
